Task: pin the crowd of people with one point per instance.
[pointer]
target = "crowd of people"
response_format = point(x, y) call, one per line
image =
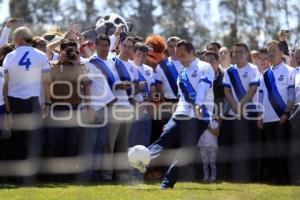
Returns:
point(75, 106)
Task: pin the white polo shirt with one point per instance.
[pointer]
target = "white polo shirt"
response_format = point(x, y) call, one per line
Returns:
point(101, 92)
point(201, 76)
point(161, 78)
point(284, 78)
point(25, 66)
point(297, 84)
point(123, 98)
point(145, 73)
point(207, 139)
point(245, 77)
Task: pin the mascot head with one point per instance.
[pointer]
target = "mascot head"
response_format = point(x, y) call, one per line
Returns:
point(158, 45)
point(106, 25)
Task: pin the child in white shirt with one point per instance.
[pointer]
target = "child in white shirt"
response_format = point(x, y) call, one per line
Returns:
point(208, 144)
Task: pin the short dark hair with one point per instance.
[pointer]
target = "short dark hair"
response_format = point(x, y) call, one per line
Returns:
point(214, 43)
point(6, 49)
point(173, 39)
point(211, 53)
point(36, 41)
point(188, 46)
point(277, 43)
point(138, 39)
point(140, 46)
point(263, 51)
point(124, 36)
point(67, 43)
point(241, 44)
point(102, 37)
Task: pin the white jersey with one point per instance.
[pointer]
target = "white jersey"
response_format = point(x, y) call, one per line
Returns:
point(240, 81)
point(125, 71)
point(207, 139)
point(284, 79)
point(145, 73)
point(167, 78)
point(55, 57)
point(101, 87)
point(297, 84)
point(195, 86)
point(1, 86)
point(25, 66)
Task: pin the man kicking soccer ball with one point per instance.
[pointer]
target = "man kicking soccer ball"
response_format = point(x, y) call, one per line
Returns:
point(192, 115)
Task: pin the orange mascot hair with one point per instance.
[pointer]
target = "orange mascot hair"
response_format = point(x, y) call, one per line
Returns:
point(158, 44)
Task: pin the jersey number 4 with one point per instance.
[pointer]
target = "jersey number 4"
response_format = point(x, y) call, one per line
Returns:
point(25, 61)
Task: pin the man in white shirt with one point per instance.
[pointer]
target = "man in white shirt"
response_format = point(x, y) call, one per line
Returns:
point(193, 112)
point(25, 69)
point(142, 126)
point(103, 80)
point(225, 59)
point(240, 87)
point(297, 76)
point(263, 60)
point(294, 157)
point(166, 74)
point(120, 124)
point(278, 100)
point(6, 49)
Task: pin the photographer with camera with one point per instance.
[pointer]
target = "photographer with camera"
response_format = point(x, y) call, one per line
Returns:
point(70, 84)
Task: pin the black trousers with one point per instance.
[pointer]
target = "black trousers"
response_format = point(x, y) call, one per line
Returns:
point(239, 155)
point(275, 146)
point(294, 151)
point(26, 140)
point(63, 141)
point(224, 162)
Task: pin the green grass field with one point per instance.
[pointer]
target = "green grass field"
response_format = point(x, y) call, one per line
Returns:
point(186, 191)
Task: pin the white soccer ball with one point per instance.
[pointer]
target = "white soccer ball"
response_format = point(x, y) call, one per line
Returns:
point(139, 155)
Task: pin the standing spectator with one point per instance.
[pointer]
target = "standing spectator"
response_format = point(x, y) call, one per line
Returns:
point(4, 50)
point(293, 62)
point(102, 98)
point(224, 55)
point(254, 57)
point(278, 100)
point(294, 156)
point(40, 44)
point(121, 123)
point(25, 68)
point(240, 86)
point(213, 46)
point(282, 36)
point(142, 127)
point(67, 94)
point(219, 97)
point(166, 74)
point(208, 144)
point(263, 60)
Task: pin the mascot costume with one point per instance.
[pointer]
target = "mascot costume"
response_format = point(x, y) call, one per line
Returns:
point(158, 46)
point(107, 25)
